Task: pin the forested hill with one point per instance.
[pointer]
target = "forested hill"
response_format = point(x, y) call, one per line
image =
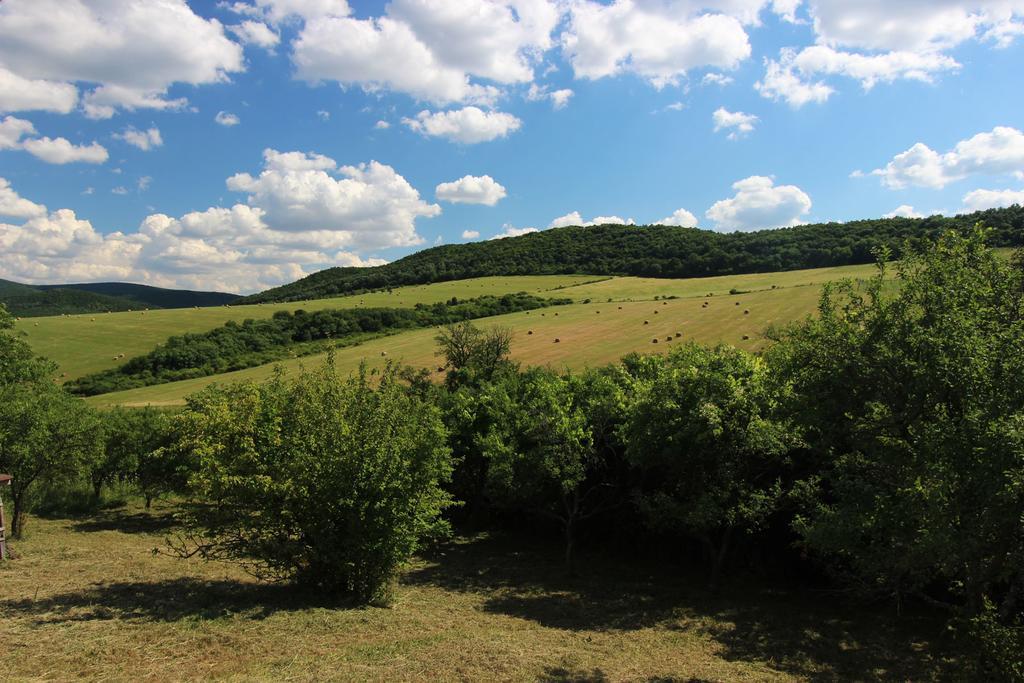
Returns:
point(37, 300)
point(650, 251)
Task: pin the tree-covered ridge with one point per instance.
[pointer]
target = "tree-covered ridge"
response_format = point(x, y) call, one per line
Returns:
point(235, 346)
point(39, 300)
point(653, 251)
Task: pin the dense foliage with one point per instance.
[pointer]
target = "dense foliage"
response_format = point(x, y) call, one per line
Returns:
point(38, 300)
point(326, 482)
point(652, 251)
point(234, 346)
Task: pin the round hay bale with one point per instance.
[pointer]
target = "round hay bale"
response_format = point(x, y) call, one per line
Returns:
point(737, 303)
point(542, 314)
point(654, 341)
point(746, 336)
point(746, 311)
point(556, 315)
point(440, 368)
point(383, 353)
point(664, 303)
point(557, 340)
point(655, 313)
point(620, 308)
point(647, 322)
point(668, 338)
point(678, 335)
point(529, 332)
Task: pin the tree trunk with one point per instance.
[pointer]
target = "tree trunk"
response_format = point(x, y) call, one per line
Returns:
point(570, 560)
point(149, 500)
point(96, 486)
point(718, 561)
point(17, 515)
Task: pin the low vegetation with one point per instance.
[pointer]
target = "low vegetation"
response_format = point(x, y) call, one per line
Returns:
point(873, 451)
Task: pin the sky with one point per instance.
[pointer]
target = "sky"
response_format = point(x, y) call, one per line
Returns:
point(242, 144)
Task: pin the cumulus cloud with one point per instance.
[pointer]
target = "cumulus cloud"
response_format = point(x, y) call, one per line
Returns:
point(999, 151)
point(471, 190)
point(559, 98)
point(143, 139)
point(468, 125)
point(508, 230)
point(329, 220)
point(574, 218)
point(370, 206)
point(712, 78)
point(27, 94)
point(680, 217)
point(736, 122)
point(256, 33)
point(16, 206)
point(226, 119)
point(658, 41)
point(759, 203)
point(433, 50)
point(979, 200)
point(62, 151)
point(382, 125)
point(470, 234)
point(12, 130)
point(881, 42)
point(110, 47)
point(903, 211)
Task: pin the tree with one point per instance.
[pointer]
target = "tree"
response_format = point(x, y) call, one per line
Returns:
point(540, 447)
point(327, 482)
point(473, 355)
point(702, 429)
point(45, 434)
point(913, 405)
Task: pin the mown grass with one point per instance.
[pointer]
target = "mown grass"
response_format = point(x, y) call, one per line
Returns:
point(588, 335)
point(88, 598)
point(83, 344)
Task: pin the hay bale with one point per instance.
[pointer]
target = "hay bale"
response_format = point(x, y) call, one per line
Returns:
point(529, 332)
point(668, 338)
point(557, 340)
point(678, 335)
point(665, 303)
point(746, 311)
point(654, 341)
point(647, 322)
point(746, 336)
point(556, 315)
point(383, 353)
point(737, 303)
point(655, 313)
point(620, 308)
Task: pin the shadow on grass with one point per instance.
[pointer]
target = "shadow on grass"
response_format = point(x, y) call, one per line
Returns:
point(171, 600)
point(794, 631)
point(560, 674)
point(127, 522)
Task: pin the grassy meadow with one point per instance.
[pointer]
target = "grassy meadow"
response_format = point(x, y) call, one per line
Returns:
point(89, 597)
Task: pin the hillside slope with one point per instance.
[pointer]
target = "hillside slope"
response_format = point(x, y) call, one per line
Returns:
point(650, 251)
point(43, 300)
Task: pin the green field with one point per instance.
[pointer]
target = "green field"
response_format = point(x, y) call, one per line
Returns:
point(588, 334)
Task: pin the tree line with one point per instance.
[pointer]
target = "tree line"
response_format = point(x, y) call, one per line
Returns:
point(235, 346)
point(879, 443)
point(653, 251)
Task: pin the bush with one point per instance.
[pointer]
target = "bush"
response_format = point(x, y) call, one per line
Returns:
point(326, 482)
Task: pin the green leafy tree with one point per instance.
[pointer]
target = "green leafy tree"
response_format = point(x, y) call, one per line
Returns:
point(541, 447)
point(474, 355)
point(701, 427)
point(328, 482)
point(913, 405)
point(46, 436)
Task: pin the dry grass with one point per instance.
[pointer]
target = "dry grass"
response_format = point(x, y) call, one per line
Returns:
point(89, 599)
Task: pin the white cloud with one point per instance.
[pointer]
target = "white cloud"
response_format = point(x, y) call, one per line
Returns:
point(143, 139)
point(370, 206)
point(129, 52)
point(432, 50)
point(471, 190)
point(239, 248)
point(382, 125)
point(324, 115)
point(61, 151)
point(144, 183)
point(256, 33)
point(574, 218)
point(658, 41)
point(28, 94)
point(758, 204)
point(509, 230)
point(279, 11)
point(903, 211)
point(680, 217)
point(468, 125)
point(12, 130)
point(999, 151)
point(780, 82)
point(12, 204)
point(740, 124)
point(120, 190)
point(470, 234)
point(713, 78)
point(559, 98)
point(675, 106)
point(979, 200)
point(226, 119)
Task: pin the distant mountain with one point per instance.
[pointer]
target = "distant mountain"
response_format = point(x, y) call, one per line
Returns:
point(37, 300)
point(651, 251)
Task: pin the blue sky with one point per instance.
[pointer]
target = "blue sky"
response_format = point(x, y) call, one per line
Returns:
point(360, 132)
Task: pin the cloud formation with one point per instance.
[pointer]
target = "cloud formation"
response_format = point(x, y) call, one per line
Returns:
point(469, 125)
point(471, 190)
point(759, 204)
